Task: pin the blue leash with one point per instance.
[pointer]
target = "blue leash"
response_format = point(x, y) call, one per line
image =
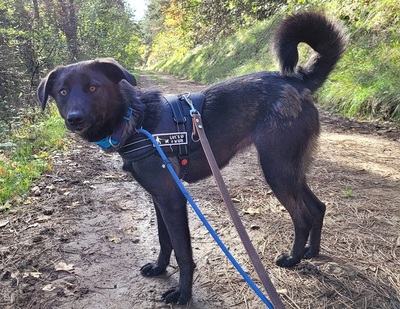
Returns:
point(196, 209)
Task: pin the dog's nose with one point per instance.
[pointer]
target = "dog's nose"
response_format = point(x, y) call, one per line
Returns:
point(75, 118)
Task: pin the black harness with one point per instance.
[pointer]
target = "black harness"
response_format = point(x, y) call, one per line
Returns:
point(174, 132)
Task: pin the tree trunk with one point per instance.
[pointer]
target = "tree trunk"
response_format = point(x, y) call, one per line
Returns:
point(70, 28)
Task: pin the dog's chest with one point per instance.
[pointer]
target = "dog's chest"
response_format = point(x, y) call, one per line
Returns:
point(173, 132)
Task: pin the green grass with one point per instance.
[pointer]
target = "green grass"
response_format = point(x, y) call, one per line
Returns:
point(346, 192)
point(30, 156)
point(153, 75)
point(136, 73)
point(246, 51)
point(365, 81)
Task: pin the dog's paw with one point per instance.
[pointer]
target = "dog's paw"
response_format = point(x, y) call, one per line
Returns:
point(176, 296)
point(152, 269)
point(310, 252)
point(285, 260)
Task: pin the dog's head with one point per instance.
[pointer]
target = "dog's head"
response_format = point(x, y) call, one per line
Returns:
point(88, 95)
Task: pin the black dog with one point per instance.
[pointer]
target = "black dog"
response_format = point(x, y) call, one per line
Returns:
point(272, 110)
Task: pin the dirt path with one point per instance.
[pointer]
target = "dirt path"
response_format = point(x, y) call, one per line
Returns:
point(80, 238)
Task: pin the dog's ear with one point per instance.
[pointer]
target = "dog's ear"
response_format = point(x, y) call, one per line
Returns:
point(46, 87)
point(114, 71)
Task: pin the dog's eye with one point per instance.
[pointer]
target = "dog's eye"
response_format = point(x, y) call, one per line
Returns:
point(63, 92)
point(92, 88)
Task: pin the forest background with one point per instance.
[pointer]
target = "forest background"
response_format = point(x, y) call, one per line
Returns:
point(204, 40)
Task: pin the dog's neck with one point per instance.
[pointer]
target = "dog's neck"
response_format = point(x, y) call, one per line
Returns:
point(144, 111)
point(113, 142)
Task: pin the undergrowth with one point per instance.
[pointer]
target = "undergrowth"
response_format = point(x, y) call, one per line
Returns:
point(365, 82)
point(246, 51)
point(26, 152)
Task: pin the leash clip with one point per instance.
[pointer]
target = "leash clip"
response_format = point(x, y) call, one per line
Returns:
point(193, 110)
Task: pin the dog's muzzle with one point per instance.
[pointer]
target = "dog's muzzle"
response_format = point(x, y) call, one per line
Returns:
point(75, 121)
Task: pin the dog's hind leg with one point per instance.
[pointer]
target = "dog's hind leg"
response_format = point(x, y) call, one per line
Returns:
point(317, 209)
point(285, 177)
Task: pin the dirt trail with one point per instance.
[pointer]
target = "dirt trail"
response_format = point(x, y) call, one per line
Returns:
point(81, 237)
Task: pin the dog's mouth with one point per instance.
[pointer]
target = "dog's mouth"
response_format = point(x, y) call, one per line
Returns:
point(78, 129)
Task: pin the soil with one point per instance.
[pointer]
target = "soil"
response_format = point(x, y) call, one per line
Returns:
point(80, 238)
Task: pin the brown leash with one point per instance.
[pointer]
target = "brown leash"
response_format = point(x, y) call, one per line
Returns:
point(255, 259)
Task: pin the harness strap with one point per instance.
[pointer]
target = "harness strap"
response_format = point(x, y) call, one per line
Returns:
point(255, 259)
point(172, 132)
point(180, 120)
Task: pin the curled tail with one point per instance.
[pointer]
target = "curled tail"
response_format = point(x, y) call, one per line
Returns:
point(327, 38)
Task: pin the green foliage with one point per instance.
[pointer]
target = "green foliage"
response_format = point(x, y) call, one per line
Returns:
point(364, 83)
point(246, 51)
point(106, 30)
point(172, 39)
point(174, 25)
point(37, 35)
point(26, 154)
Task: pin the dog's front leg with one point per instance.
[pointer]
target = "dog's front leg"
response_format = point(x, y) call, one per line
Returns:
point(172, 221)
point(154, 269)
point(174, 234)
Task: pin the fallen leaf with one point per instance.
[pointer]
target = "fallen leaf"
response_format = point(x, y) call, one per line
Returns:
point(43, 155)
point(115, 239)
point(34, 274)
point(64, 266)
point(251, 211)
point(43, 218)
point(28, 201)
point(3, 223)
point(282, 291)
point(111, 176)
point(6, 205)
point(48, 288)
point(73, 205)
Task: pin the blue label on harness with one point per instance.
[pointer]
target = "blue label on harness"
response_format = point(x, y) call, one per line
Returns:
point(171, 139)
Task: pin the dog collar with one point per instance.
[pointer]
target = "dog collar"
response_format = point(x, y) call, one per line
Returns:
point(107, 142)
point(113, 140)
